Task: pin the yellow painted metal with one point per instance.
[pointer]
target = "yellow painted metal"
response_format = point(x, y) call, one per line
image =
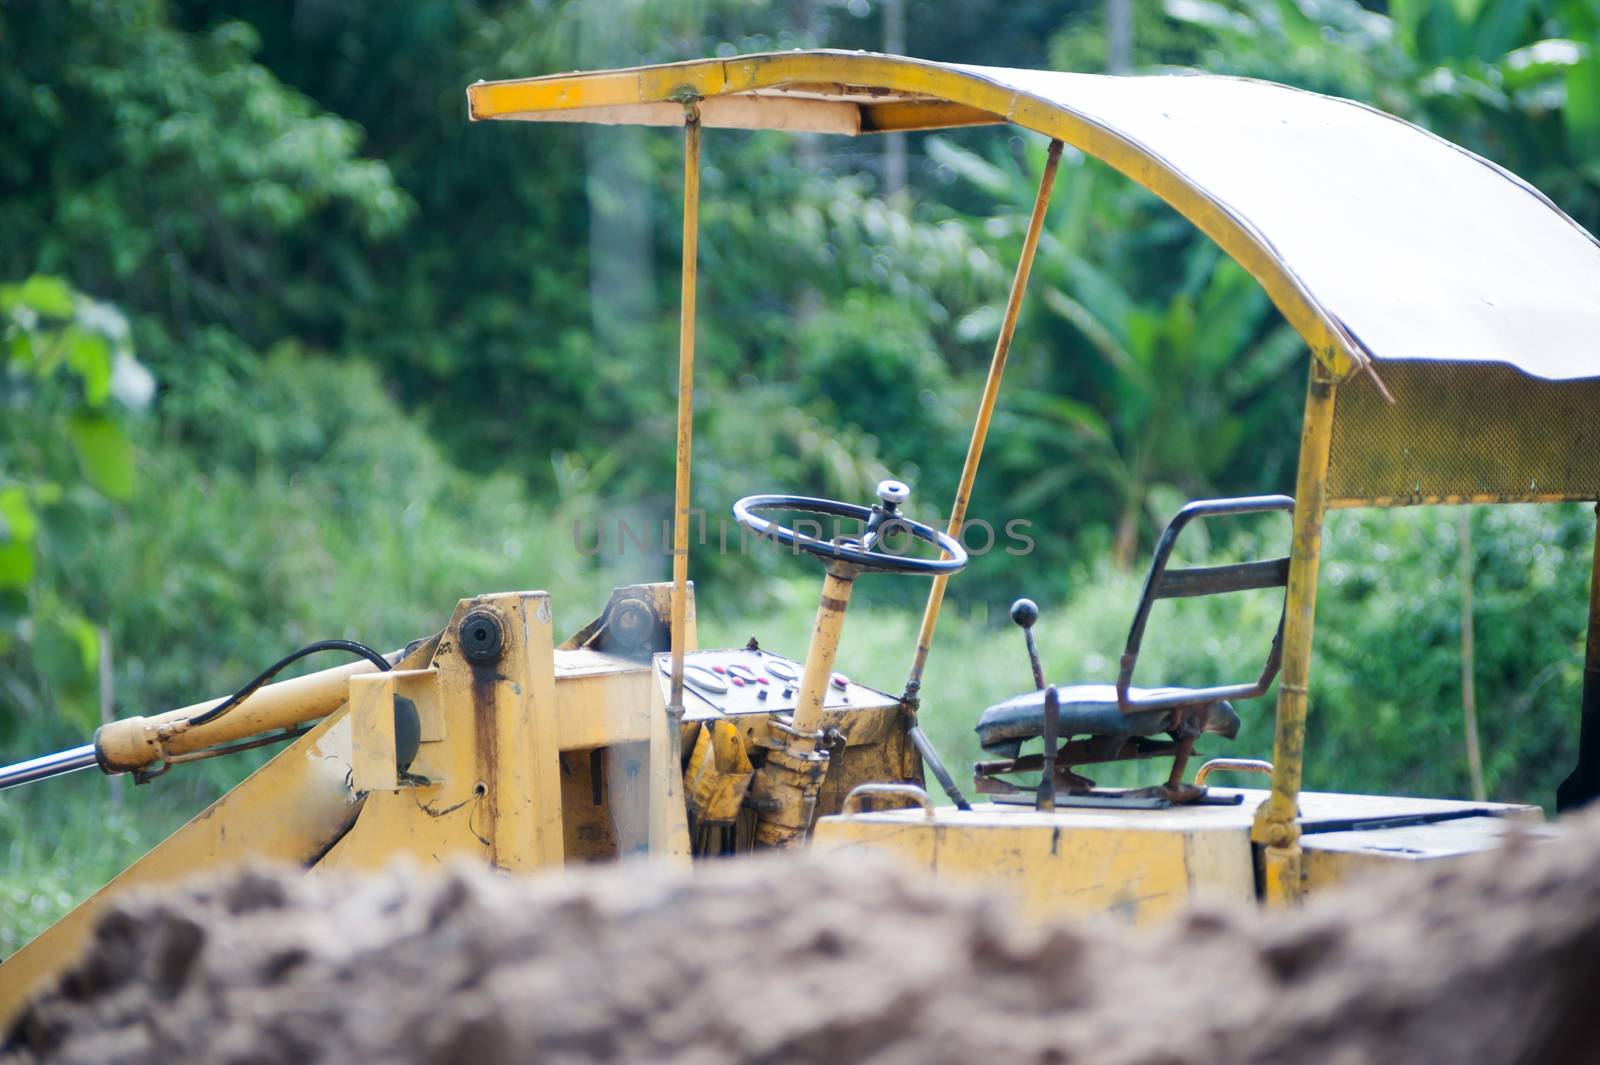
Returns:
point(786, 787)
point(821, 652)
point(525, 796)
point(906, 115)
point(373, 758)
point(876, 749)
point(1463, 433)
point(495, 739)
point(1133, 865)
point(680, 513)
point(1139, 865)
point(980, 428)
point(290, 810)
point(1276, 829)
point(139, 742)
point(893, 79)
point(489, 784)
point(719, 773)
point(601, 700)
point(661, 802)
point(725, 112)
point(499, 741)
point(1332, 858)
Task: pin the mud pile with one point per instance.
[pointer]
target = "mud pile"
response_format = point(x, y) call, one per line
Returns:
point(787, 960)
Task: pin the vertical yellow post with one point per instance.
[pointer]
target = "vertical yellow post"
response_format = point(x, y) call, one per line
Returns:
point(528, 831)
point(824, 650)
point(519, 743)
point(1277, 828)
point(980, 430)
point(680, 515)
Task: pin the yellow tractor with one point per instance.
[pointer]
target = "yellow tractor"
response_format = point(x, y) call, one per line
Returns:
point(1450, 311)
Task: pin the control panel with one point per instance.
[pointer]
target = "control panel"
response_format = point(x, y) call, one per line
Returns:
point(752, 681)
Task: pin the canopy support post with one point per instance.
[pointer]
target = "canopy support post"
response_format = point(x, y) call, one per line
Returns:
point(1581, 787)
point(980, 430)
point(969, 470)
point(1277, 828)
point(680, 512)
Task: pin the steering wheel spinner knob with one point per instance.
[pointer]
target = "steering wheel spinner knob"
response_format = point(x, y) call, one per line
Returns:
point(893, 493)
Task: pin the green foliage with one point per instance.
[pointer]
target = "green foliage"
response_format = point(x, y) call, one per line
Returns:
point(404, 358)
point(67, 373)
point(169, 168)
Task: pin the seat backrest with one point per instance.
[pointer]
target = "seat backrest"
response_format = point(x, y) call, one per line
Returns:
point(1164, 583)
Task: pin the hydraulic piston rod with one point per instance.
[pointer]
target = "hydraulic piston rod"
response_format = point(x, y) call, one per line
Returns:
point(49, 765)
point(132, 743)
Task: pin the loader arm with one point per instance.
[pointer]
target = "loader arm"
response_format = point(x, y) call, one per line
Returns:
point(291, 811)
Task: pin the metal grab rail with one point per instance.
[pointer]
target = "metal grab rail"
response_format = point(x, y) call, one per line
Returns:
point(852, 802)
point(1231, 765)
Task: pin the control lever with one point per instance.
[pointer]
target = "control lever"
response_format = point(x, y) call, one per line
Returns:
point(1025, 612)
point(1046, 801)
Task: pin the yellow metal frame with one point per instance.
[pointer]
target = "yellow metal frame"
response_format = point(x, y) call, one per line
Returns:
point(1277, 827)
point(980, 428)
point(686, 311)
point(528, 756)
point(489, 781)
point(937, 96)
point(1140, 866)
point(854, 93)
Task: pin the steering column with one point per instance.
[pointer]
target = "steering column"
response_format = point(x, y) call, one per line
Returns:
point(785, 789)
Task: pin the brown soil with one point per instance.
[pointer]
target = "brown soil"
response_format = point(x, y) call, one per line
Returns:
point(784, 960)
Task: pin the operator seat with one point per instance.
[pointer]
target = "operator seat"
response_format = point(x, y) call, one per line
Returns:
point(1113, 722)
point(1090, 710)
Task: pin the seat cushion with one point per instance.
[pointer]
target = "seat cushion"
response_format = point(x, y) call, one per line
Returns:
point(1086, 710)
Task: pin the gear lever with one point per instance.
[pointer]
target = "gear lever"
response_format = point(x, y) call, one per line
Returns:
point(1025, 612)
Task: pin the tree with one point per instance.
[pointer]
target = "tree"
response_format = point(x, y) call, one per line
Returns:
point(68, 373)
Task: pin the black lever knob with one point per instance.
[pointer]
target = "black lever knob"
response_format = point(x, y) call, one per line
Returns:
point(1025, 612)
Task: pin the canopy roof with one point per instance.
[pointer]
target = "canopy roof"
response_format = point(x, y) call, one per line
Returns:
point(1376, 239)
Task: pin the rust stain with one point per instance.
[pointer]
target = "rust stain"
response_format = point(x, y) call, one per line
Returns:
point(485, 735)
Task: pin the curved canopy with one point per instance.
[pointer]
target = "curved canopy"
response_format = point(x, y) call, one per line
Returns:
point(1376, 239)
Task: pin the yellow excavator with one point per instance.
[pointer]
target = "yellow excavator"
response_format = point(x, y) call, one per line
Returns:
point(1449, 309)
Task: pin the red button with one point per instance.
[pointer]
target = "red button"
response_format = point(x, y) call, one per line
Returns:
point(761, 680)
point(719, 669)
point(738, 683)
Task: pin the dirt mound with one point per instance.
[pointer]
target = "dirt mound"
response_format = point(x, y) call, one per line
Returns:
point(787, 960)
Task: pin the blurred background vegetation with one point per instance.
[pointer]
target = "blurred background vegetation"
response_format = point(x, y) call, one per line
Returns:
point(292, 351)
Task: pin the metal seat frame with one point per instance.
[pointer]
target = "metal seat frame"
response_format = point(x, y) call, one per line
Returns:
point(1190, 708)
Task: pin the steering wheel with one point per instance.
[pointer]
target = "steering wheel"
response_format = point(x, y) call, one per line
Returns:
point(866, 552)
